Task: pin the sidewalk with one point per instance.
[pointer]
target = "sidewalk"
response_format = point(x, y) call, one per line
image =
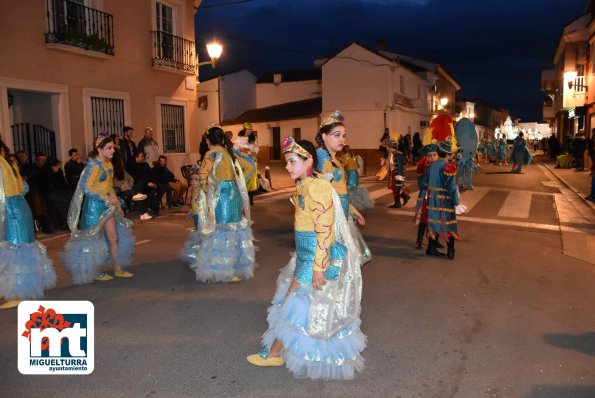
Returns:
point(577, 181)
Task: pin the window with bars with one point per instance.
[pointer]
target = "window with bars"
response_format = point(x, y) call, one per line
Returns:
point(107, 115)
point(172, 126)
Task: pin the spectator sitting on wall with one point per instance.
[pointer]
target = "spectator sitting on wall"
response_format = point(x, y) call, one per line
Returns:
point(125, 188)
point(144, 182)
point(167, 182)
point(149, 147)
point(32, 175)
point(73, 168)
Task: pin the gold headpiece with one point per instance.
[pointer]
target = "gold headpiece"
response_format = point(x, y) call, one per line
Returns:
point(100, 137)
point(210, 126)
point(289, 145)
point(335, 117)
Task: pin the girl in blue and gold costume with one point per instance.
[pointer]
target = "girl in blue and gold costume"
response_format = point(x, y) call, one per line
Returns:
point(314, 320)
point(25, 269)
point(227, 252)
point(358, 195)
point(104, 233)
point(192, 244)
point(331, 139)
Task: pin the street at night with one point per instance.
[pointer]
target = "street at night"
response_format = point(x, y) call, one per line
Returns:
point(510, 316)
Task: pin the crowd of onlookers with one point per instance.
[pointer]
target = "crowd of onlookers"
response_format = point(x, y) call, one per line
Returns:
point(141, 179)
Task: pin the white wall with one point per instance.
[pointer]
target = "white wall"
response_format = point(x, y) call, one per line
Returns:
point(210, 88)
point(238, 94)
point(362, 85)
point(269, 94)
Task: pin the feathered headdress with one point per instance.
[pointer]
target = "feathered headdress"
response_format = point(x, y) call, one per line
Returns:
point(335, 117)
point(441, 129)
point(289, 145)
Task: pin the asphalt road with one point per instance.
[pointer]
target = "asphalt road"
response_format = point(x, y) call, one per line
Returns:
point(511, 316)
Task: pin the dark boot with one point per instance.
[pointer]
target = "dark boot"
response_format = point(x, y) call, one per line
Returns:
point(431, 250)
point(438, 244)
point(397, 203)
point(450, 251)
point(421, 231)
point(405, 198)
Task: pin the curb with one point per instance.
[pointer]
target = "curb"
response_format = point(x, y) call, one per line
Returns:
point(573, 189)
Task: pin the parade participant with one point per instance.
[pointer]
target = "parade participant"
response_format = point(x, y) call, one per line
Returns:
point(467, 141)
point(331, 139)
point(192, 244)
point(429, 154)
point(442, 201)
point(358, 195)
point(314, 322)
point(247, 146)
point(227, 250)
point(483, 148)
point(104, 233)
point(519, 156)
point(396, 181)
point(493, 150)
point(502, 148)
point(25, 268)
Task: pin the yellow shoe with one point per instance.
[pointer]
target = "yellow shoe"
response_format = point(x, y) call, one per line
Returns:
point(123, 274)
point(258, 360)
point(10, 304)
point(235, 279)
point(104, 277)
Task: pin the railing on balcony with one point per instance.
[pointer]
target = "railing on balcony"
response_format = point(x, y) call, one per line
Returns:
point(173, 52)
point(80, 26)
point(579, 84)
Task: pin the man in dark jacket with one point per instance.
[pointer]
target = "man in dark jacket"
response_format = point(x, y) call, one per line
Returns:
point(73, 168)
point(167, 182)
point(128, 148)
point(144, 182)
point(579, 145)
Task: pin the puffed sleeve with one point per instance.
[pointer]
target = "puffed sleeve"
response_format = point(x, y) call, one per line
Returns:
point(319, 203)
point(247, 165)
point(450, 182)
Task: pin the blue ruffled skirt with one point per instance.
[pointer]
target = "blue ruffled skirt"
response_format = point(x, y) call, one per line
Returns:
point(225, 254)
point(336, 357)
point(192, 245)
point(25, 268)
point(86, 258)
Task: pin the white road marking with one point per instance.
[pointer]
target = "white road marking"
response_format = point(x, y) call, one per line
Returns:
point(471, 198)
point(516, 205)
point(547, 227)
point(568, 212)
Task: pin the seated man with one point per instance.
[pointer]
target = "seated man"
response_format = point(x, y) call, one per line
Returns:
point(167, 182)
point(144, 182)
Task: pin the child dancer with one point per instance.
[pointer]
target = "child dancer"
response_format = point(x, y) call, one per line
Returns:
point(314, 322)
point(192, 244)
point(358, 195)
point(429, 154)
point(227, 252)
point(25, 269)
point(396, 182)
point(104, 233)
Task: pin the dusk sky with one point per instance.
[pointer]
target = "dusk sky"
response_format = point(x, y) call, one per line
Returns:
point(495, 49)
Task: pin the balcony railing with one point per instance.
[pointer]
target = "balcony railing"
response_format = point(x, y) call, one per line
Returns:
point(174, 52)
point(76, 25)
point(579, 84)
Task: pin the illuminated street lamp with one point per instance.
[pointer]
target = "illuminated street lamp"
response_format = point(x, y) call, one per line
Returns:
point(214, 49)
point(443, 101)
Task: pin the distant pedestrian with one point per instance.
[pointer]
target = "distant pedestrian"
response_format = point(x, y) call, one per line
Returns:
point(520, 155)
point(149, 147)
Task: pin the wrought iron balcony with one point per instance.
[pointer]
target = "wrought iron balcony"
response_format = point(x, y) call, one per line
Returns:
point(76, 25)
point(174, 52)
